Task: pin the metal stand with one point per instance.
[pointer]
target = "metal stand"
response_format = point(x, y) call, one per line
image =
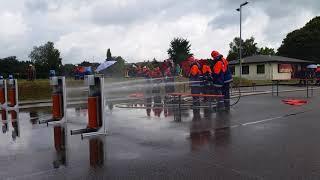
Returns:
point(96, 90)
point(59, 86)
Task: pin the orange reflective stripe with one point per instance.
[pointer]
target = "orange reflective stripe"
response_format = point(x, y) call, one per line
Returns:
point(225, 64)
point(205, 69)
point(218, 67)
point(194, 70)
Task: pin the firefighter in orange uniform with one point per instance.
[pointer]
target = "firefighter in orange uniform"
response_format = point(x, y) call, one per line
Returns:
point(225, 77)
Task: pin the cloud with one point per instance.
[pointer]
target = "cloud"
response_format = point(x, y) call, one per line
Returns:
point(142, 29)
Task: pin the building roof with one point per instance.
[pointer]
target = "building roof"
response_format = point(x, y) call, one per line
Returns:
point(268, 58)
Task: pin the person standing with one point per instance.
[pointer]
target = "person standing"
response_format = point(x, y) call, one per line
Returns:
point(195, 82)
point(227, 78)
point(218, 77)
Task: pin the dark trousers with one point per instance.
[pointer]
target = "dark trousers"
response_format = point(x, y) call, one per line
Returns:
point(226, 95)
point(218, 91)
point(209, 90)
point(196, 90)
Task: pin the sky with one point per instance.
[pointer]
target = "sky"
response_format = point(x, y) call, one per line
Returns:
point(141, 30)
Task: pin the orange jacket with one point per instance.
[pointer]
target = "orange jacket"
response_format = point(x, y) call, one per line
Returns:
point(206, 69)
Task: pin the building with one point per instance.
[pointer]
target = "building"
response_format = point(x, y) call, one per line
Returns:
point(267, 67)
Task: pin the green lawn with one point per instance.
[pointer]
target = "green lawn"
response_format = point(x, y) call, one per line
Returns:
point(40, 88)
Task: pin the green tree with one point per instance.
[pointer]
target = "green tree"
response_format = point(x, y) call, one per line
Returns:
point(179, 50)
point(85, 63)
point(46, 57)
point(11, 65)
point(109, 55)
point(249, 48)
point(267, 51)
point(68, 70)
point(117, 69)
point(303, 43)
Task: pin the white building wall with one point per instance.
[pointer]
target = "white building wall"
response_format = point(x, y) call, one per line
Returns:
point(271, 72)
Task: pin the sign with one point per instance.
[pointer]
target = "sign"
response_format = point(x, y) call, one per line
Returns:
point(285, 68)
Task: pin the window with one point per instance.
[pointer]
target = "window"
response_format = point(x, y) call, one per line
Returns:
point(260, 69)
point(233, 70)
point(245, 69)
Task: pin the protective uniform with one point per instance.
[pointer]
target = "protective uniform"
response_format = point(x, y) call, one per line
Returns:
point(195, 82)
point(317, 75)
point(169, 78)
point(207, 82)
point(227, 77)
point(218, 78)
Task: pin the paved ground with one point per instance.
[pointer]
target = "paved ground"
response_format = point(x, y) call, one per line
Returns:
point(267, 140)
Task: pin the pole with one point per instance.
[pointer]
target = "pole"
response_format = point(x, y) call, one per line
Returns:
point(240, 48)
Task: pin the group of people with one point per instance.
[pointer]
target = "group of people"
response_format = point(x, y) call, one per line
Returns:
point(308, 74)
point(211, 78)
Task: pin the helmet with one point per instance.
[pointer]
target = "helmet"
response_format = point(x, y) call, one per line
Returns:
point(215, 55)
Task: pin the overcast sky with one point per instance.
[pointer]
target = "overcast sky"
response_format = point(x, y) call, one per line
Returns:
point(142, 29)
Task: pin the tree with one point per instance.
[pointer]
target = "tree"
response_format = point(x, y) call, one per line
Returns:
point(11, 65)
point(46, 57)
point(303, 43)
point(109, 56)
point(266, 51)
point(117, 69)
point(179, 50)
point(68, 70)
point(249, 48)
point(85, 63)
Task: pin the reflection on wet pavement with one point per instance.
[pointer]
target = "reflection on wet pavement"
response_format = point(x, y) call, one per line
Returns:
point(147, 143)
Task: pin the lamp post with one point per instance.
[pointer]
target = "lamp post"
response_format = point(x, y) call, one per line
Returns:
point(240, 48)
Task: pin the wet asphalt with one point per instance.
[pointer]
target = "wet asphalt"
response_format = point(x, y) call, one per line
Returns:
point(260, 138)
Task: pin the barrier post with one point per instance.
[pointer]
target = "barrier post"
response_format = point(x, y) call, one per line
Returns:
point(3, 103)
point(59, 101)
point(13, 102)
point(96, 120)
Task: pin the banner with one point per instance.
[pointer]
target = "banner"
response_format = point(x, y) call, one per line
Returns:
point(285, 68)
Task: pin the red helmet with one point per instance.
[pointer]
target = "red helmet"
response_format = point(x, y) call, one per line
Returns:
point(215, 54)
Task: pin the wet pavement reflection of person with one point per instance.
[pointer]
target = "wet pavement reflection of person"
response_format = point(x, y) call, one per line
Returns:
point(222, 134)
point(15, 125)
point(200, 130)
point(34, 117)
point(207, 130)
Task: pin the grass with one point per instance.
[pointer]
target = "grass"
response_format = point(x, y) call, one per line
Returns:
point(40, 89)
point(34, 90)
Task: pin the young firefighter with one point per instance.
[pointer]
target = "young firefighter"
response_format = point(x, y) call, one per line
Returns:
point(207, 85)
point(195, 82)
point(227, 77)
point(218, 79)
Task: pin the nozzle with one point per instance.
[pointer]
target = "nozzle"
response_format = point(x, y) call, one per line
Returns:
point(82, 131)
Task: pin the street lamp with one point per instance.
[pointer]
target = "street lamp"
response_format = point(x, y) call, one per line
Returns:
point(240, 51)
